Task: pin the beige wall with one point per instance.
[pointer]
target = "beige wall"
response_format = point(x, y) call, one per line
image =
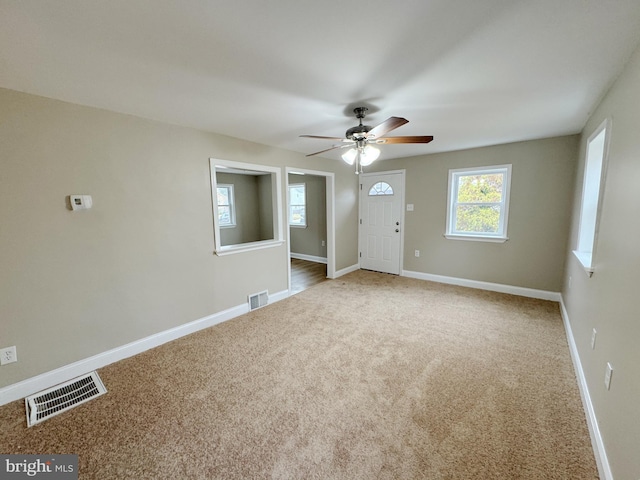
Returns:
point(607, 301)
point(541, 195)
point(308, 241)
point(75, 284)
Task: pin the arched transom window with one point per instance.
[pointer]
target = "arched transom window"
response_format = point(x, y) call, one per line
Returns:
point(381, 188)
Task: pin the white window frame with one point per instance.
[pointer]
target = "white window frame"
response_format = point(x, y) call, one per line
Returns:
point(291, 223)
point(452, 196)
point(593, 182)
point(232, 206)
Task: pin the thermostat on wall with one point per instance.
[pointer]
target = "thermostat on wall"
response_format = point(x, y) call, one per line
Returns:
point(80, 202)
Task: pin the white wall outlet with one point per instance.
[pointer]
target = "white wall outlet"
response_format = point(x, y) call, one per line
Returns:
point(607, 376)
point(417, 253)
point(324, 243)
point(409, 207)
point(593, 338)
point(8, 355)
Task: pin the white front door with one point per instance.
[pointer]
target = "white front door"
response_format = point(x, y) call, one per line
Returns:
point(381, 200)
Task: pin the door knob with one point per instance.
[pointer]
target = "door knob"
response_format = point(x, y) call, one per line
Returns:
point(397, 223)
point(397, 230)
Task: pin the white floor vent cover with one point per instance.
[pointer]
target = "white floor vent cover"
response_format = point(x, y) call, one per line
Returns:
point(58, 399)
point(258, 300)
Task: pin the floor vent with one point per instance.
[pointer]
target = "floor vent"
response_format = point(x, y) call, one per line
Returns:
point(258, 300)
point(58, 399)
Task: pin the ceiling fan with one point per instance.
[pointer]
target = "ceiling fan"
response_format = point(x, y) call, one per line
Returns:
point(361, 140)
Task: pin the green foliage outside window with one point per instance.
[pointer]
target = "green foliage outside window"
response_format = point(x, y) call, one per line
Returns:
point(478, 205)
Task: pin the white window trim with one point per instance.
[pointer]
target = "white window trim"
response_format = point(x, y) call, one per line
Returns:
point(232, 205)
point(452, 193)
point(585, 257)
point(296, 225)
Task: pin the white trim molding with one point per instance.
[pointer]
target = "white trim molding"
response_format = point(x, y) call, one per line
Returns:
point(344, 271)
point(494, 287)
point(309, 258)
point(49, 379)
point(604, 470)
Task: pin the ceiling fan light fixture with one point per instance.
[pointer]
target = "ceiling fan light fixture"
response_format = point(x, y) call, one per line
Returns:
point(350, 156)
point(369, 155)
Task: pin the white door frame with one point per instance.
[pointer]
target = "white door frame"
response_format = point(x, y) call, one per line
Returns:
point(403, 173)
point(330, 181)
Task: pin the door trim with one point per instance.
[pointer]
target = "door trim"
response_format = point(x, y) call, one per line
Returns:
point(403, 174)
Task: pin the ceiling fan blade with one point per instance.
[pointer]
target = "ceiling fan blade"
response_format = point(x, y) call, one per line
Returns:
point(389, 124)
point(336, 139)
point(410, 139)
point(328, 149)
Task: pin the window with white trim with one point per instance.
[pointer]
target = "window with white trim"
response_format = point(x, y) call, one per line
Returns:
point(226, 206)
point(298, 205)
point(478, 203)
point(592, 186)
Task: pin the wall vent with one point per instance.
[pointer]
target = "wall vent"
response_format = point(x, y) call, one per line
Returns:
point(258, 300)
point(58, 399)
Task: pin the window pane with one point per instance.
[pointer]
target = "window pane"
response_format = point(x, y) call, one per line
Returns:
point(478, 218)
point(224, 215)
point(296, 195)
point(297, 215)
point(297, 205)
point(480, 188)
point(223, 196)
point(381, 188)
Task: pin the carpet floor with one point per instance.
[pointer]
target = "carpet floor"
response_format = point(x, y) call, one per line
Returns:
point(369, 376)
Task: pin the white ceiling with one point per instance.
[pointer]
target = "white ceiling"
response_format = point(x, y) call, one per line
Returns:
point(469, 72)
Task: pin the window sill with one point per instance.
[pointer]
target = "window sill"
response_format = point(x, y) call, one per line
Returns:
point(586, 260)
point(297, 226)
point(246, 247)
point(476, 238)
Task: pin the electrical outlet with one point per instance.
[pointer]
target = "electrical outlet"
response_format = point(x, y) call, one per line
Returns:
point(607, 376)
point(593, 338)
point(417, 253)
point(8, 355)
point(324, 243)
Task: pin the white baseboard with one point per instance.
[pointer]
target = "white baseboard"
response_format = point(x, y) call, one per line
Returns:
point(309, 258)
point(494, 287)
point(344, 271)
point(604, 469)
point(49, 379)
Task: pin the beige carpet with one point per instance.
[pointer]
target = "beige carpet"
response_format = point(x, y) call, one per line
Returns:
point(369, 376)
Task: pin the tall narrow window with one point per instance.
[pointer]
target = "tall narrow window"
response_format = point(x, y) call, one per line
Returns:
point(297, 205)
point(226, 210)
point(478, 205)
point(592, 186)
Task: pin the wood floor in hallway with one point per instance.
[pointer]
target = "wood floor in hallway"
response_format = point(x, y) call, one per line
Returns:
point(305, 274)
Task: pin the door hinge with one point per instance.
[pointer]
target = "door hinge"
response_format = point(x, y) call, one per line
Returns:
point(360, 186)
point(360, 221)
point(360, 254)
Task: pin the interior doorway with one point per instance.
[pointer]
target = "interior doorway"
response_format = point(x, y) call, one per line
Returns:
point(329, 213)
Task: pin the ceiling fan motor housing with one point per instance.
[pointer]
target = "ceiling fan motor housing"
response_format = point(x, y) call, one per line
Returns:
point(357, 133)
